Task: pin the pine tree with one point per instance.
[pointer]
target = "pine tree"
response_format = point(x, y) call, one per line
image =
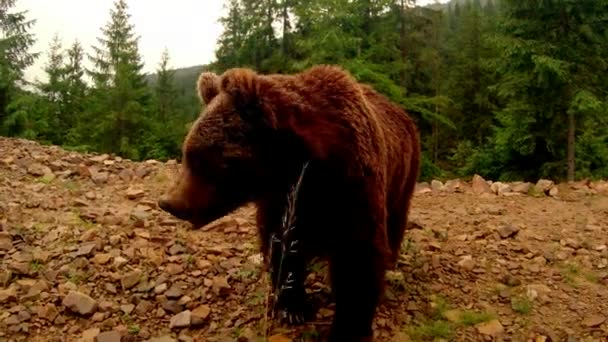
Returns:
point(121, 93)
point(15, 57)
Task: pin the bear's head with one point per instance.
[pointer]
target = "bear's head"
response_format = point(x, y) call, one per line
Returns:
point(234, 151)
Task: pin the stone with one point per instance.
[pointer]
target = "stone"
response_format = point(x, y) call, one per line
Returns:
point(480, 186)
point(89, 335)
point(521, 187)
point(200, 314)
point(48, 312)
point(160, 288)
point(144, 307)
point(6, 241)
point(109, 336)
point(543, 185)
point(492, 328)
point(86, 249)
point(165, 338)
point(423, 188)
point(134, 194)
point(508, 230)
point(130, 279)
point(593, 321)
point(220, 285)
point(437, 185)
point(554, 192)
point(9, 294)
point(102, 258)
point(279, 338)
point(174, 292)
point(467, 262)
point(181, 320)
point(80, 303)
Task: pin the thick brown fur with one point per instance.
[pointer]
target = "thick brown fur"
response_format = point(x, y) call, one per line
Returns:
point(250, 143)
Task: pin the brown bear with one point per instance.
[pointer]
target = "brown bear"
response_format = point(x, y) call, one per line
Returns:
point(362, 154)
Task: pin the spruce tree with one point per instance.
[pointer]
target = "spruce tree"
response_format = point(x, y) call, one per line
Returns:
point(120, 95)
point(15, 57)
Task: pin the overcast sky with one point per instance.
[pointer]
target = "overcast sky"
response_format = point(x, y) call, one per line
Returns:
point(188, 28)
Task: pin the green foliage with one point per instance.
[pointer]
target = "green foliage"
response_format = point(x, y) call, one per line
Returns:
point(505, 89)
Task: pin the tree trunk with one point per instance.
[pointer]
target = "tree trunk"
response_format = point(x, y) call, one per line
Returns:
point(571, 145)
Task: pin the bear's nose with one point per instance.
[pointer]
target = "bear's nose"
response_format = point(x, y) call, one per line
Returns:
point(165, 205)
point(169, 207)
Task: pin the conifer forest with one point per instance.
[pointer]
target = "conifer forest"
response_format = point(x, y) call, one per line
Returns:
point(507, 89)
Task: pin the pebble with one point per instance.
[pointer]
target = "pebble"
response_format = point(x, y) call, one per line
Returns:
point(593, 321)
point(130, 279)
point(200, 314)
point(109, 336)
point(181, 320)
point(492, 328)
point(80, 303)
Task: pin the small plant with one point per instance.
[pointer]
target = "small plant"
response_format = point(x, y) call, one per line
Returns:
point(569, 273)
point(522, 305)
point(35, 265)
point(71, 185)
point(470, 318)
point(133, 329)
point(432, 330)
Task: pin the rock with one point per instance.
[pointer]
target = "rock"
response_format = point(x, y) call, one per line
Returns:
point(134, 194)
point(80, 303)
point(554, 192)
point(174, 269)
point(102, 258)
point(181, 320)
point(220, 285)
point(467, 262)
point(127, 308)
point(165, 338)
point(593, 321)
point(501, 189)
point(279, 338)
point(160, 288)
point(85, 249)
point(521, 187)
point(130, 279)
point(119, 262)
point(507, 231)
point(543, 185)
point(436, 185)
point(174, 292)
point(144, 307)
point(48, 312)
point(491, 328)
point(510, 280)
point(9, 294)
point(6, 241)
point(480, 186)
point(109, 336)
point(200, 314)
point(99, 178)
point(89, 335)
point(423, 188)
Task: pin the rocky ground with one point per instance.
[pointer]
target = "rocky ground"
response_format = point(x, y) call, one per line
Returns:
point(86, 255)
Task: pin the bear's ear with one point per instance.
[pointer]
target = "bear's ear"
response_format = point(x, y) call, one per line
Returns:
point(208, 86)
point(241, 85)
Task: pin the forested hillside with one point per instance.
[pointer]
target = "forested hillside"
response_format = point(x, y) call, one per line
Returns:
point(504, 88)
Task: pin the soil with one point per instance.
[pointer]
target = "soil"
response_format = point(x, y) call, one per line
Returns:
point(86, 255)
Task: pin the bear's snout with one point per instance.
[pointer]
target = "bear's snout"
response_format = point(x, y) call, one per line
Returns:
point(172, 209)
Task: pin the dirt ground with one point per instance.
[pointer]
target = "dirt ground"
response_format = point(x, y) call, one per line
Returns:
point(86, 255)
